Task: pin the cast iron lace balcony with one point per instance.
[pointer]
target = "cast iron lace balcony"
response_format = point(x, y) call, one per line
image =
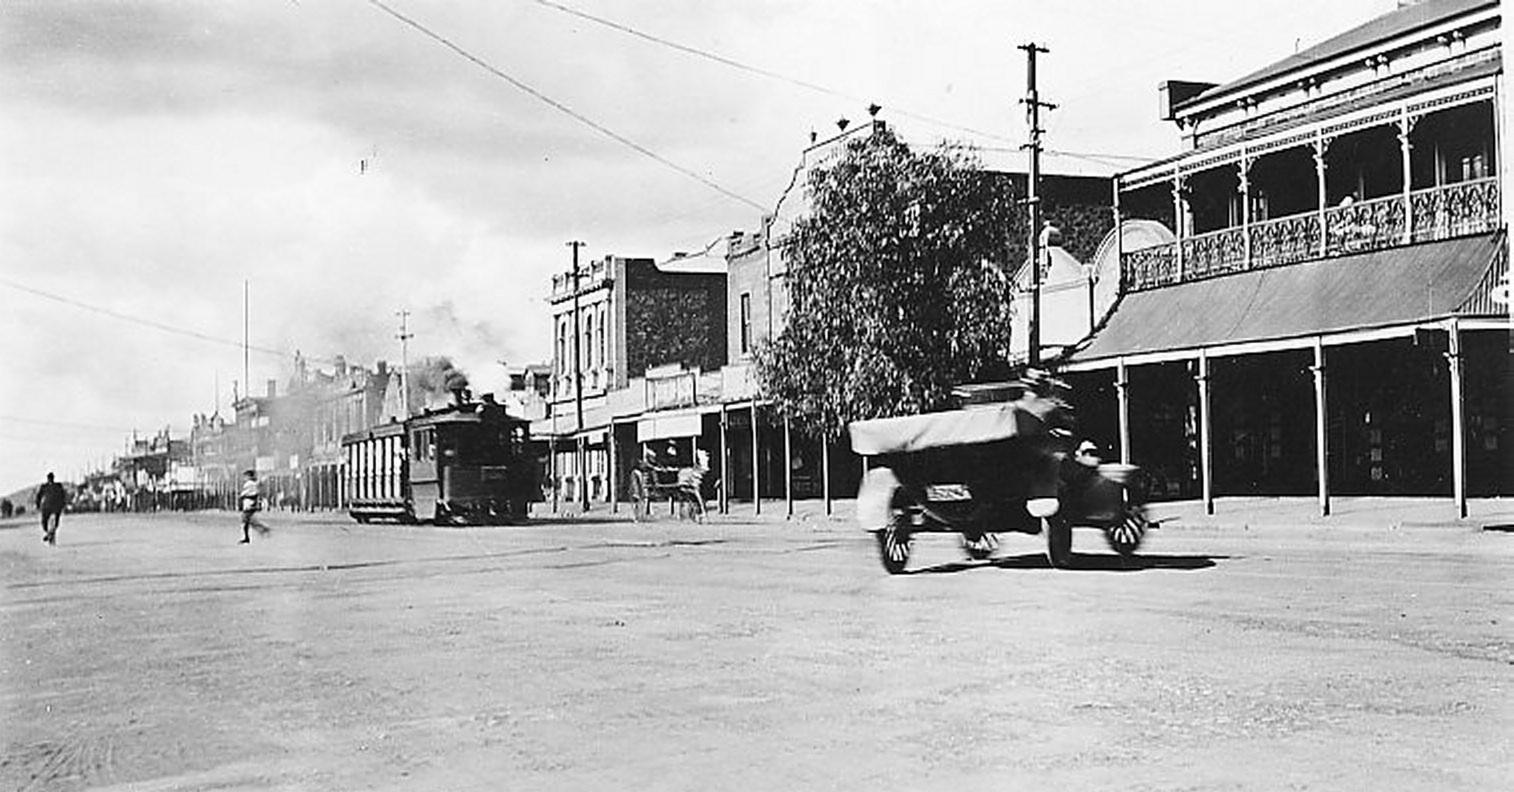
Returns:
point(1453, 210)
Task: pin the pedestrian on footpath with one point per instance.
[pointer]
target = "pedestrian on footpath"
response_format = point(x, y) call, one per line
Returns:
point(251, 503)
point(50, 501)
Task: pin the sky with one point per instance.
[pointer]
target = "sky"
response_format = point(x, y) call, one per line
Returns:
point(333, 162)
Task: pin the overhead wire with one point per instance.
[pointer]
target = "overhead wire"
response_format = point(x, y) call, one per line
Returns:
point(750, 69)
point(69, 424)
point(560, 107)
point(795, 81)
point(155, 324)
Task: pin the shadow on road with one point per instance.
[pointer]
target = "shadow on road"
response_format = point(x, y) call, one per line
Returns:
point(1081, 562)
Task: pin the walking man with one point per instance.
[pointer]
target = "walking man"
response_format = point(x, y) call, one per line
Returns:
point(50, 501)
point(250, 502)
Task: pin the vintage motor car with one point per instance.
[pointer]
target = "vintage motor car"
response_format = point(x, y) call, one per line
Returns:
point(1001, 463)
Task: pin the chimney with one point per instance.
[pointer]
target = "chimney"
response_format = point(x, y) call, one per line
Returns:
point(273, 388)
point(1174, 93)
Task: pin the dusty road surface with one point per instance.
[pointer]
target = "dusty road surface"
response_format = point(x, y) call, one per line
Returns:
point(154, 653)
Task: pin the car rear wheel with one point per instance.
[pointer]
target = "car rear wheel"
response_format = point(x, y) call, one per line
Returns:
point(1058, 542)
point(1125, 537)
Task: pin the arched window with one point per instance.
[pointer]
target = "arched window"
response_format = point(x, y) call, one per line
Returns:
point(604, 357)
point(588, 346)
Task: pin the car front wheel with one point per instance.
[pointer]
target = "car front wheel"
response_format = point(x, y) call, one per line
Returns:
point(1058, 542)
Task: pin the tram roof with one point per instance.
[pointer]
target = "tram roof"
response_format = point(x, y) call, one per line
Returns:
point(1382, 288)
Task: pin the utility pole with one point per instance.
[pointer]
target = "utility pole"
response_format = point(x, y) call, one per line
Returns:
point(578, 386)
point(404, 336)
point(1033, 106)
point(246, 306)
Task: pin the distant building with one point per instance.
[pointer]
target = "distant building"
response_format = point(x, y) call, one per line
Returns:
point(349, 399)
point(150, 472)
point(530, 391)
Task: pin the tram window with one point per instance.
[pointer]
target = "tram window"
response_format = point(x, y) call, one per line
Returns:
point(423, 443)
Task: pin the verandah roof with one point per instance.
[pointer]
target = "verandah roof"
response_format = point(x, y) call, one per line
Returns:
point(1381, 288)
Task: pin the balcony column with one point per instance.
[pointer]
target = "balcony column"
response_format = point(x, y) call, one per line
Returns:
point(788, 469)
point(825, 472)
point(1122, 394)
point(756, 478)
point(1321, 438)
point(1180, 223)
point(552, 471)
point(1458, 419)
point(612, 474)
point(1320, 145)
point(723, 501)
point(1405, 126)
point(1206, 441)
point(1243, 185)
point(1119, 257)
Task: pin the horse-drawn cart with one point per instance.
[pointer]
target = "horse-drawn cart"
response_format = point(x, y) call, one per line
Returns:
point(987, 469)
point(681, 487)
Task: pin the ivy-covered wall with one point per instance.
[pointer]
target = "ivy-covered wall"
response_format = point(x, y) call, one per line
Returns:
point(673, 317)
point(1077, 205)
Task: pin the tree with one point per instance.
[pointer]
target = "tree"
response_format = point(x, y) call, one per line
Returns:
point(897, 285)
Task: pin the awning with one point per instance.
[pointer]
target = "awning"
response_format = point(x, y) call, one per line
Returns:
point(672, 424)
point(1381, 288)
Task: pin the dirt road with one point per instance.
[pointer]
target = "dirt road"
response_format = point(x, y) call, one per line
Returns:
point(154, 653)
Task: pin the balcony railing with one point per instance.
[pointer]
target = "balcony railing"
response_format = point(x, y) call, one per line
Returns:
point(1364, 225)
point(1215, 253)
point(1285, 240)
point(1461, 209)
point(1470, 207)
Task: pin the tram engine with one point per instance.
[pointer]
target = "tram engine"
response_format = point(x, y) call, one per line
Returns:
point(469, 463)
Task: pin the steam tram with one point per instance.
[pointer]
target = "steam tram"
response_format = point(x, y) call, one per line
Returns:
point(466, 464)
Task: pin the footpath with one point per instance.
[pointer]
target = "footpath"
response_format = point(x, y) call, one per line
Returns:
point(1230, 513)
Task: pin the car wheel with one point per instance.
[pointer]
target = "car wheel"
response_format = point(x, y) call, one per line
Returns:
point(981, 546)
point(1058, 542)
point(879, 510)
point(894, 544)
point(1125, 537)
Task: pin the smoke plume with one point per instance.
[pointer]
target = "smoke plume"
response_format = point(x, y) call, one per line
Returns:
point(433, 379)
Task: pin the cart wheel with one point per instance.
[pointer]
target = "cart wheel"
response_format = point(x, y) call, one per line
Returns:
point(1125, 537)
point(1058, 542)
point(641, 505)
point(980, 547)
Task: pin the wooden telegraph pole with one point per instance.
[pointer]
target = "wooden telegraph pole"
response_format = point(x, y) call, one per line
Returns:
point(578, 387)
point(1033, 107)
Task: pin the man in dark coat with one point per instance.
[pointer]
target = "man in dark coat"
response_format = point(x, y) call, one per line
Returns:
point(50, 501)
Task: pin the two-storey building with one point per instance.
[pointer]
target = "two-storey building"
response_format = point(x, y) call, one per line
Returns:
point(614, 318)
point(1309, 291)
